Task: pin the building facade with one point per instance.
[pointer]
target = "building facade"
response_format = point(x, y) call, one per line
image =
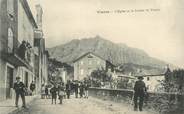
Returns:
point(17, 37)
point(17, 53)
point(153, 81)
point(87, 63)
point(41, 55)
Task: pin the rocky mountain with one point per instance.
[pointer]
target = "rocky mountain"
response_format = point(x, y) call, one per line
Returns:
point(118, 54)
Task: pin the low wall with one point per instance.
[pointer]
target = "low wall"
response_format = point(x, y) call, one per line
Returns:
point(162, 103)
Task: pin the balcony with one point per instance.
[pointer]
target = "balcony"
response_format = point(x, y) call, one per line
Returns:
point(19, 57)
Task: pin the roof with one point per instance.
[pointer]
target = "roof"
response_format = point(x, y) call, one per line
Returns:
point(28, 12)
point(152, 73)
point(92, 54)
point(126, 76)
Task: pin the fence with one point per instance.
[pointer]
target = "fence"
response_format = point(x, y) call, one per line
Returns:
point(162, 103)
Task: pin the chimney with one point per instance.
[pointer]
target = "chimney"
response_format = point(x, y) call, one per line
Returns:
point(39, 16)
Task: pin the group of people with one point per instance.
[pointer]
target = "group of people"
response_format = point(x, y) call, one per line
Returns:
point(78, 88)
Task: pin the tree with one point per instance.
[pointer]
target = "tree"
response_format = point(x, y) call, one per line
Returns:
point(53, 71)
point(100, 75)
point(174, 81)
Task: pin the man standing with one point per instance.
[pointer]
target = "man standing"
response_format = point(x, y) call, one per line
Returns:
point(81, 88)
point(140, 90)
point(86, 87)
point(53, 92)
point(76, 87)
point(19, 88)
point(68, 89)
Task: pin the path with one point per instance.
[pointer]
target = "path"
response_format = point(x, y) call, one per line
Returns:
point(79, 106)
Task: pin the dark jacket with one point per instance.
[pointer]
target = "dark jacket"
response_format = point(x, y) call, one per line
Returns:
point(76, 87)
point(46, 91)
point(53, 91)
point(86, 87)
point(32, 86)
point(81, 87)
point(68, 87)
point(140, 87)
point(19, 87)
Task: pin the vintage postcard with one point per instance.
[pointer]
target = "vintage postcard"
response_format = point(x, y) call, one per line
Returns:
point(91, 57)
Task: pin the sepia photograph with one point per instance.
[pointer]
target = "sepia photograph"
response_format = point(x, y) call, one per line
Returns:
point(91, 57)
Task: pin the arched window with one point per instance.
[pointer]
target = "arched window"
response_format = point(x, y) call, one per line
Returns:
point(10, 40)
point(10, 7)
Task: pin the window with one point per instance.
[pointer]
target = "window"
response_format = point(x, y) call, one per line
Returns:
point(10, 40)
point(81, 62)
point(90, 62)
point(10, 8)
point(98, 62)
point(148, 78)
point(82, 71)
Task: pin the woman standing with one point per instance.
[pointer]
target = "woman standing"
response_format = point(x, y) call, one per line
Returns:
point(43, 91)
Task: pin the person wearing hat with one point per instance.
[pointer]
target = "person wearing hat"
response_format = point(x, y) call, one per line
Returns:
point(76, 89)
point(53, 92)
point(19, 88)
point(68, 89)
point(139, 93)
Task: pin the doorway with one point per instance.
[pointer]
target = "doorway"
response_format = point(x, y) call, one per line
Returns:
point(9, 82)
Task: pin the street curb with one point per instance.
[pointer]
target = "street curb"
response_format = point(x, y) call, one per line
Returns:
point(19, 110)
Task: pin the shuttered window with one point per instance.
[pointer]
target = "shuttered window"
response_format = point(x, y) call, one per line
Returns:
point(82, 71)
point(10, 7)
point(10, 40)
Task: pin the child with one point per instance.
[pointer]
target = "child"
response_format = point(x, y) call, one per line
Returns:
point(46, 92)
point(53, 92)
point(61, 93)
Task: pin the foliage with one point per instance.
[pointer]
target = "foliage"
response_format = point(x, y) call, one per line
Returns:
point(174, 81)
point(53, 71)
point(124, 83)
point(99, 77)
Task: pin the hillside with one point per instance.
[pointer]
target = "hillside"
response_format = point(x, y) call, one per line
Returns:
point(118, 54)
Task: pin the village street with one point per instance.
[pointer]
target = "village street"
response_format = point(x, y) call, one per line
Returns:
point(79, 106)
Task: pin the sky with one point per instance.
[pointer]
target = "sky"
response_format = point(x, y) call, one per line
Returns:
point(152, 25)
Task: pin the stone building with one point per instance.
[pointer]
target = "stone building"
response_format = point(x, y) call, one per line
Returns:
point(153, 81)
point(17, 38)
point(41, 54)
point(17, 53)
point(87, 63)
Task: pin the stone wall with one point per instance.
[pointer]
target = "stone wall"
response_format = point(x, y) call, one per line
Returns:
point(162, 103)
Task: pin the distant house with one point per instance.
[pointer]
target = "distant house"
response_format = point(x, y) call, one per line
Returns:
point(153, 81)
point(87, 63)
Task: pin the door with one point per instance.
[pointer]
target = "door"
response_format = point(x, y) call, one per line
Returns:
point(26, 79)
point(9, 82)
